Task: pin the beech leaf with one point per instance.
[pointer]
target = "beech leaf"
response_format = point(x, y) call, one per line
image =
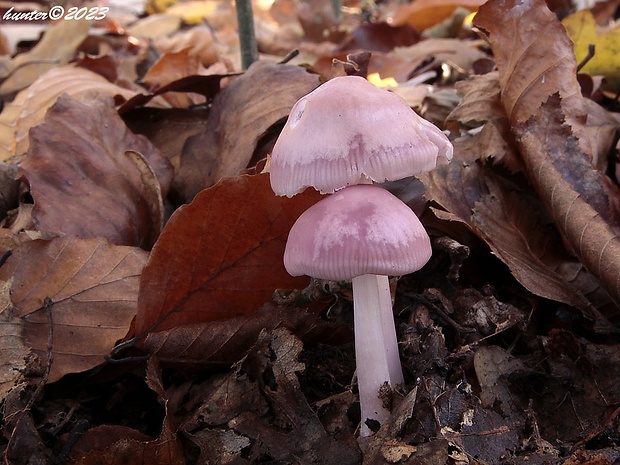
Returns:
point(220, 256)
point(573, 194)
point(85, 184)
point(516, 229)
point(75, 298)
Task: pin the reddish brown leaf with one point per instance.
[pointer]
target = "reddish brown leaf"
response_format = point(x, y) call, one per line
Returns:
point(75, 298)
point(220, 256)
point(380, 37)
point(82, 181)
point(242, 112)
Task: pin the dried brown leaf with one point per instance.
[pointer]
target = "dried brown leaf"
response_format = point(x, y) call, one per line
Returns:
point(58, 45)
point(29, 107)
point(481, 101)
point(301, 436)
point(83, 182)
point(241, 114)
point(171, 67)
point(75, 298)
point(197, 40)
point(220, 256)
point(534, 57)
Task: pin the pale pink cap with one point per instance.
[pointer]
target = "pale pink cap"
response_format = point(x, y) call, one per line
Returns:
point(358, 230)
point(348, 131)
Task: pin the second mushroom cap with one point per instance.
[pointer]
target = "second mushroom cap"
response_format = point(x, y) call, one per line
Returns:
point(358, 230)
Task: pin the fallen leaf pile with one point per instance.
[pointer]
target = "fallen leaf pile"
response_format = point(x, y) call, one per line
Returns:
point(145, 312)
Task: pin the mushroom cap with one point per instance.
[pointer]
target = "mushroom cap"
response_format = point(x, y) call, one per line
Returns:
point(348, 131)
point(359, 230)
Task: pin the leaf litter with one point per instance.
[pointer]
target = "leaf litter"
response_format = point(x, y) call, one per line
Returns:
point(146, 316)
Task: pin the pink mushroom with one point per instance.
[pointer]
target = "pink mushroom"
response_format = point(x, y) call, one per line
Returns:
point(363, 233)
point(350, 133)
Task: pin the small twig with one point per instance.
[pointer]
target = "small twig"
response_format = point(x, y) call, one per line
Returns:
point(588, 57)
point(292, 54)
point(247, 38)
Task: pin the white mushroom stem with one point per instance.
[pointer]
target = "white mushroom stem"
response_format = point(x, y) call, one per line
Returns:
point(376, 346)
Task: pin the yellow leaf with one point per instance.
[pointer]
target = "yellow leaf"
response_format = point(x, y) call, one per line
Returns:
point(583, 31)
point(193, 12)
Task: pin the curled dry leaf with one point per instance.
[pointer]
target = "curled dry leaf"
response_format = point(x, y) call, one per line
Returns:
point(573, 194)
point(515, 228)
point(29, 107)
point(219, 256)
point(239, 117)
point(75, 299)
point(83, 182)
point(528, 71)
point(539, 91)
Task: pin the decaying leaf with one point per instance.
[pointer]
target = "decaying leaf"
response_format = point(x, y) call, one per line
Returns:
point(516, 228)
point(269, 372)
point(220, 256)
point(75, 298)
point(239, 117)
point(539, 92)
point(83, 182)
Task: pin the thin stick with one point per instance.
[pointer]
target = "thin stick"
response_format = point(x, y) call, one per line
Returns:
point(247, 39)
